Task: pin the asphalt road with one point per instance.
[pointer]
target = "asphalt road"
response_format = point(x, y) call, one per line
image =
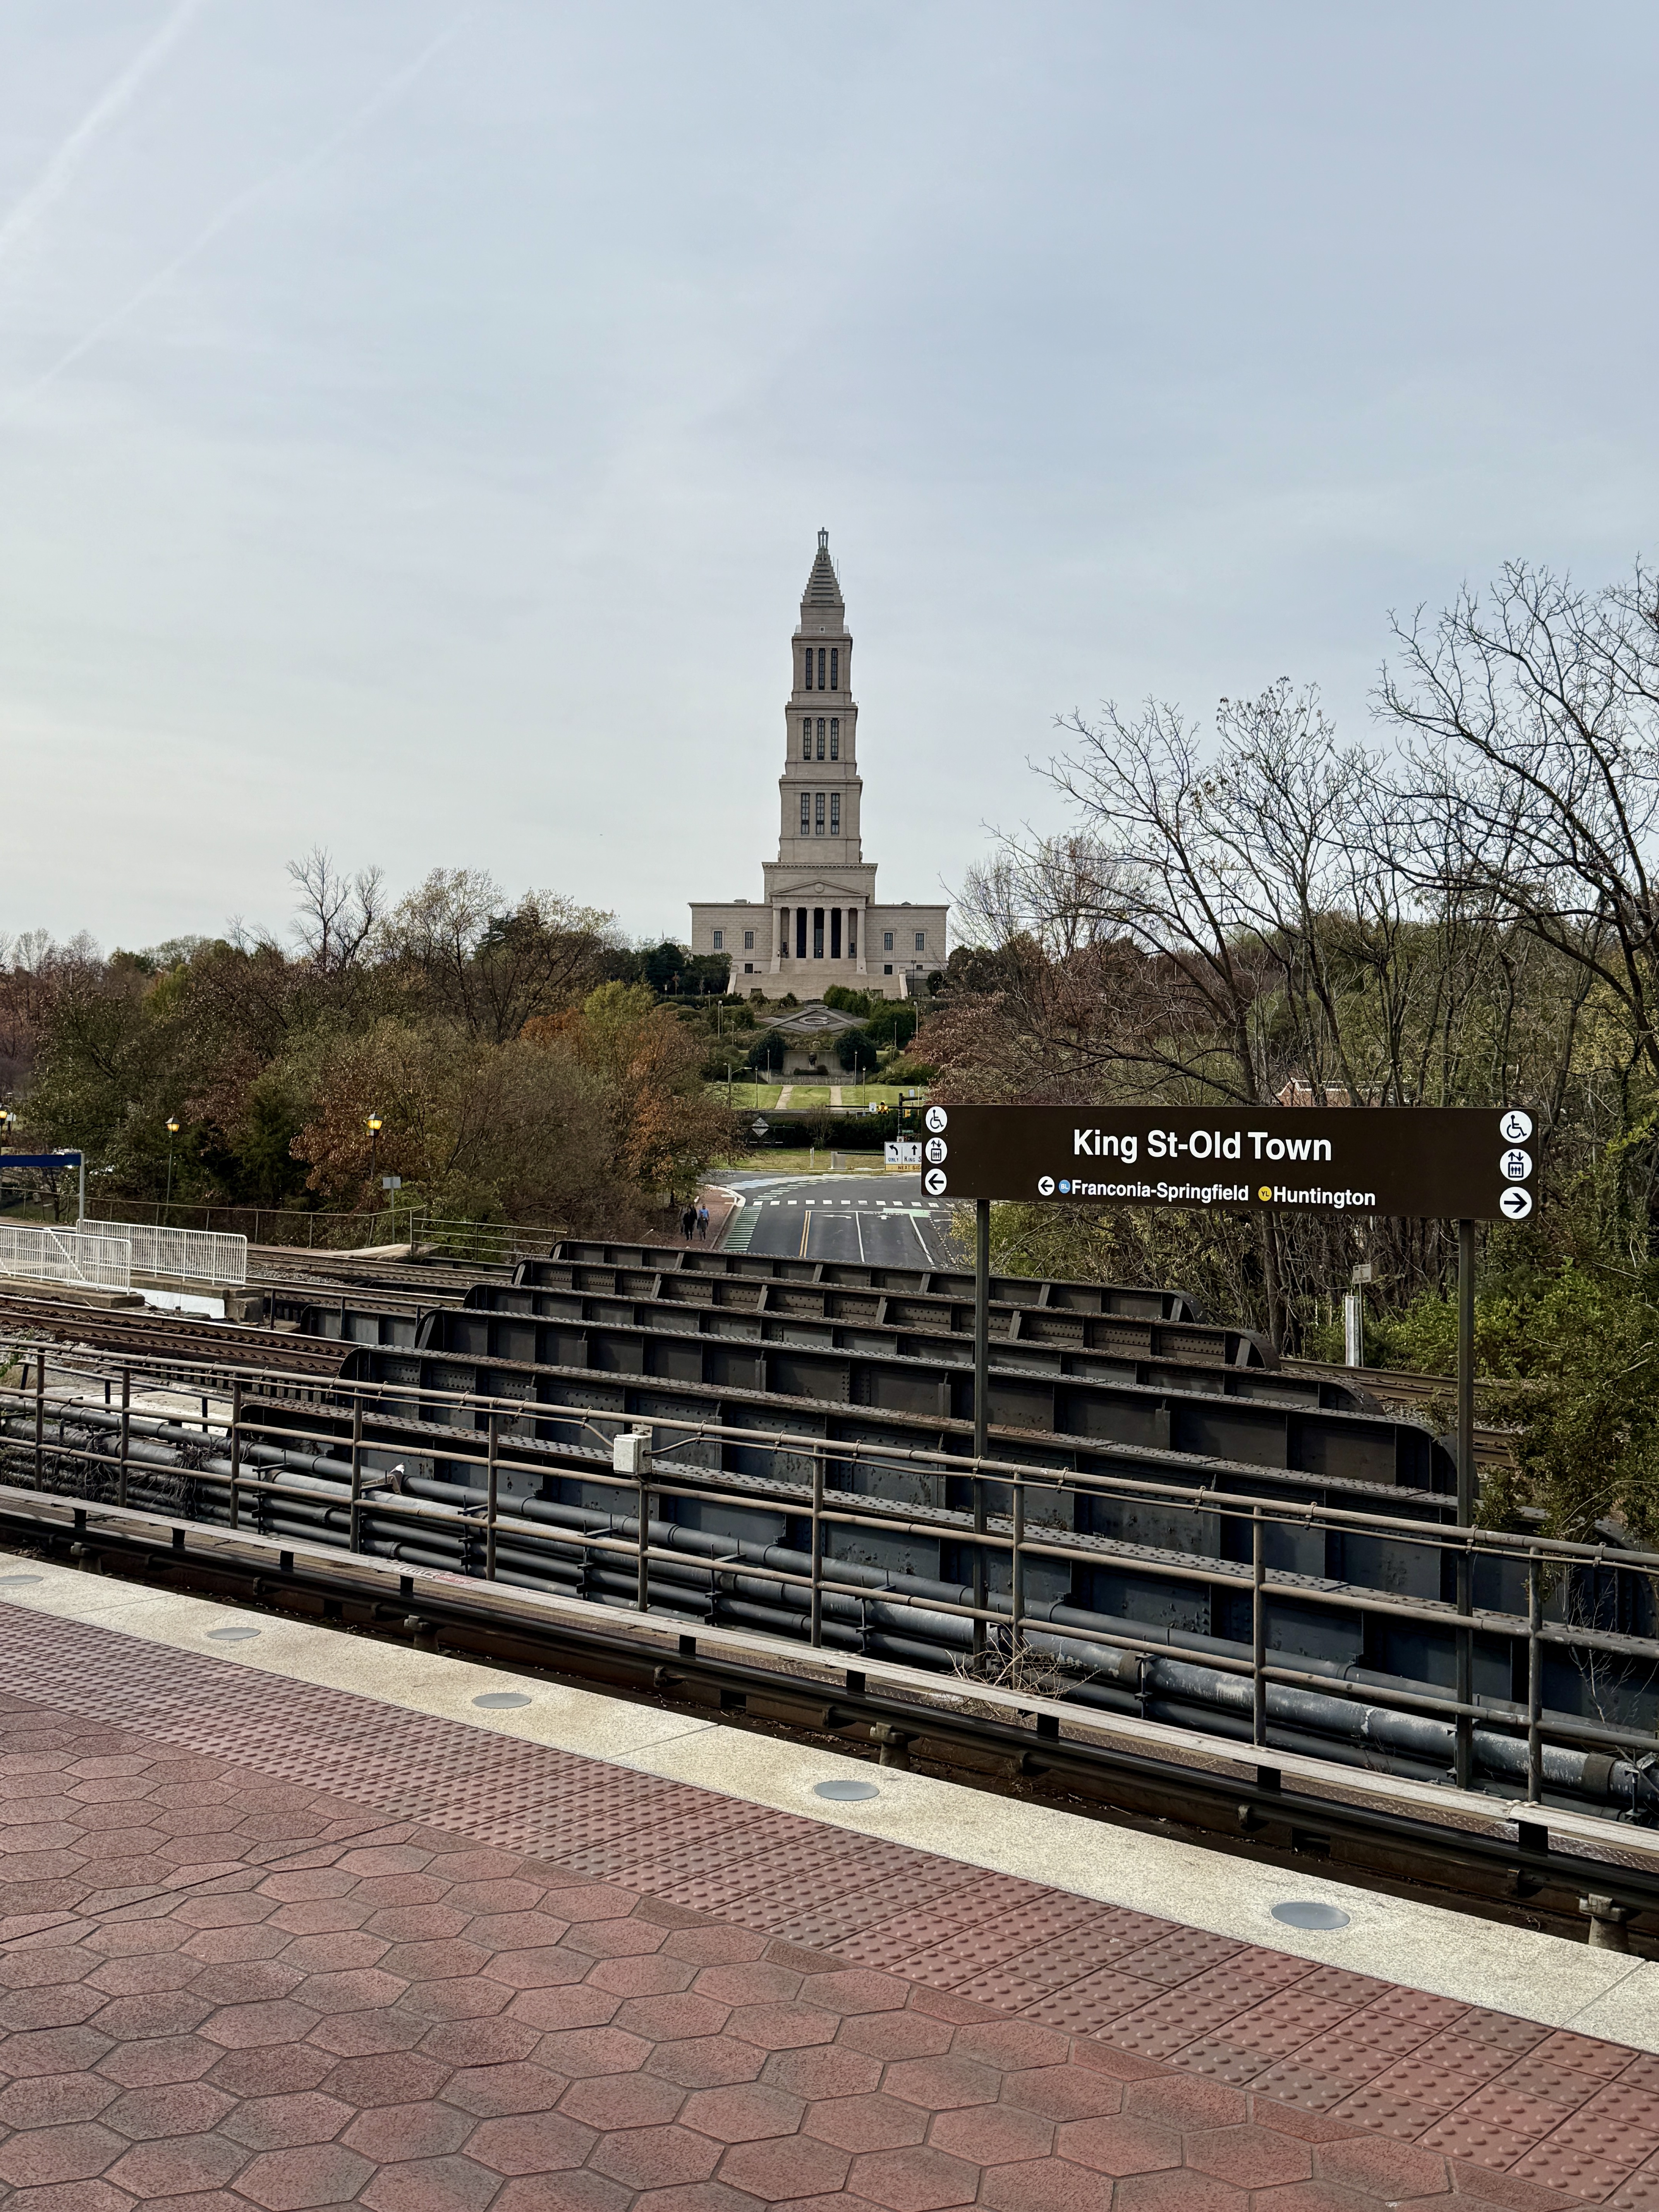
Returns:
point(882, 1220)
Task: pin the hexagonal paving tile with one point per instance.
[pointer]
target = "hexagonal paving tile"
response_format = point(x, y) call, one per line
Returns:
point(870, 2123)
point(655, 2158)
point(300, 2002)
point(531, 2143)
point(294, 2180)
point(391, 2133)
point(914, 2180)
point(742, 2112)
point(75, 2152)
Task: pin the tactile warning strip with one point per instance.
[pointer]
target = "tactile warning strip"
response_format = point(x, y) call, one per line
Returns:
point(1501, 2096)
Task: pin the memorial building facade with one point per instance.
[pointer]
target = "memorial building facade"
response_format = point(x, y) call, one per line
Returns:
point(819, 920)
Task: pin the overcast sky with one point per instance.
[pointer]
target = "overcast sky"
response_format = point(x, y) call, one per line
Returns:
point(415, 422)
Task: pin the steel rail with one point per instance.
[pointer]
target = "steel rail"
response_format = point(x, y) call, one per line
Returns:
point(116, 1328)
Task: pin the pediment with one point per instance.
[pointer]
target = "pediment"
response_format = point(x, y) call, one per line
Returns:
point(813, 1019)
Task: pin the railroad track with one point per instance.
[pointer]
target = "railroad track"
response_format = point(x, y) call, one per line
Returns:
point(163, 1341)
point(1399, 1386)
point(283, 1263)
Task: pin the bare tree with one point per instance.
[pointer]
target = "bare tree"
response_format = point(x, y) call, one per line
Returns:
point(336, 916)
point(1535, 713)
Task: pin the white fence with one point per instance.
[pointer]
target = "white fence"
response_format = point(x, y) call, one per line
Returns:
point(95, 1258)
point(189, 1255)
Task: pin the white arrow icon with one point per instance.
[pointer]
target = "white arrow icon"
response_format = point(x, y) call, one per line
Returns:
point(934, 1181)
point(1515, 1204)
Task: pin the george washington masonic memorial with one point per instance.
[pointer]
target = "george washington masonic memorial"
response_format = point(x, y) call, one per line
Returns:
point(820, 921)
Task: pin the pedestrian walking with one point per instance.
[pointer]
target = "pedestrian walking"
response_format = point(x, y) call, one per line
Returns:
point(688, 1223)
point(703, 1222)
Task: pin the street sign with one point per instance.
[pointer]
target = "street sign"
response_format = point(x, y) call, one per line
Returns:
point(759, 1127)
point(1447, 1162)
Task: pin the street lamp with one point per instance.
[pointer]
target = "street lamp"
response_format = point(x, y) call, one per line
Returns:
point(373, 1146)
point(173, 1131)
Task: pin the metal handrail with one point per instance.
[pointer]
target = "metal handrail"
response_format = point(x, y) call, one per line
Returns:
point(1002, 1535)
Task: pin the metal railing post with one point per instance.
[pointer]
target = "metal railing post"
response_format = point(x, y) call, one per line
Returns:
point(39, 1421)
point(126, 1436)
point(644, 1592)
point(1016, 1568)
point(492, 1481)
point(1535, 1680)
point(816, 1586)
point(981, 1588)
point(356, 1473)
point(1258, 1628)
point(1463, 1729)
point(235, 1451)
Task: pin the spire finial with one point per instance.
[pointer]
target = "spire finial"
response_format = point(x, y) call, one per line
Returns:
point(823, 541)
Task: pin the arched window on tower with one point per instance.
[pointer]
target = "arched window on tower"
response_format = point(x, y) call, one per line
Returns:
point(806, 737)
point(834, 737)
point(820, 737)
point(835, 668)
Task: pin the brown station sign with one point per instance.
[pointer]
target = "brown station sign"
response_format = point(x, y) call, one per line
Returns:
point(1446, 1163)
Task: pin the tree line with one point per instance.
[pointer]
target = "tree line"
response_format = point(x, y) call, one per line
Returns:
point(521, 1059)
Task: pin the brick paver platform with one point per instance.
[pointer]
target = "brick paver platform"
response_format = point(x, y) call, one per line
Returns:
point(275, 1946)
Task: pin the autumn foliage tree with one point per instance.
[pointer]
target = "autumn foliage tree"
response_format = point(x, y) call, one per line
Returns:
point(511, 1080)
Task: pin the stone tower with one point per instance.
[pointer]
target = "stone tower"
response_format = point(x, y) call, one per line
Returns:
point(820, 923)
point(820, 787)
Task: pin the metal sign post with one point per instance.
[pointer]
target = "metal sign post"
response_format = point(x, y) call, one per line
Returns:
point(1468, 1496)
point(981, 1407)
point(1448, 1162)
